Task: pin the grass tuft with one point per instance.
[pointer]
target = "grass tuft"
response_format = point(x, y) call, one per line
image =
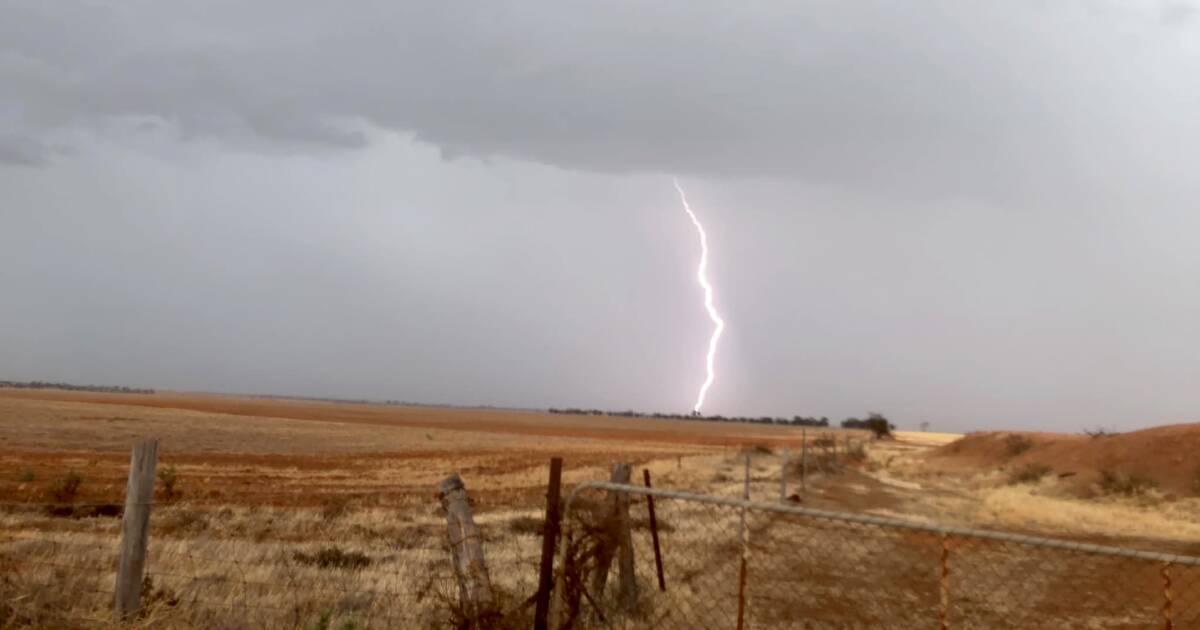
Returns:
point(1029, 473)
point(334, 558)
point(67, 488)
point(1127, 484)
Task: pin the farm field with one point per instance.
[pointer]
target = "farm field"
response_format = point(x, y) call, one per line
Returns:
point(302, 513)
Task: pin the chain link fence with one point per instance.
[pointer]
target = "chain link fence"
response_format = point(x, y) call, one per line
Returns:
point(728, 563)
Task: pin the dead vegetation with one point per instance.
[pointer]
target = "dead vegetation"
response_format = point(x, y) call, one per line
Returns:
point(1016, 444)
point(1029, 473)
point(1125, 484)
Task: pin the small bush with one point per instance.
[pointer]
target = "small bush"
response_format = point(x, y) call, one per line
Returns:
point(1196, 483)
point(1016, 444)
point(1029, 473)
point(167, 480)
point(1126, 484)
point(1098, 432)
point(334, 558)
point(27, 476)
point(526, 525)
point(179, 521)
point(857, 453)
point(760, 449)
point(67, 488)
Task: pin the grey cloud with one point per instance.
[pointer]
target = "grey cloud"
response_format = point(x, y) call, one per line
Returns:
point(1174, 12)
point(22, 151)
point(946, 98)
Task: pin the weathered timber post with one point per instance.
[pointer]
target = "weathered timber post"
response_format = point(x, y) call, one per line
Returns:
point(741, 611)
point(466, 548)
point(783, 476)
point(662, 583)
point(804, 460)
point(549, 539)
point(135, 529)
point(618, 541)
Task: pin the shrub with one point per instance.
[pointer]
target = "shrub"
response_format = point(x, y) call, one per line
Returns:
point(527, 525)
point(1126, 484)
point(67, 488)
point(167, 479)
point(182, 520)
point(1196, 483)
point(856, 453)
point(27, 476)
point(1016, 444)
point(760, 449)
point(334, 558)
point(1029, 473)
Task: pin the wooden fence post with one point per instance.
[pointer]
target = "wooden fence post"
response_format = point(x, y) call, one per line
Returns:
point(620, 542)
point(662, 583)
point(783, 477)
point(135, 529)
point(741, 610)
point(804, 461)
point(549, 538)
point(466, 547)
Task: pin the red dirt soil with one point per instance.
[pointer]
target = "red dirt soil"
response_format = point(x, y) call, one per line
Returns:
point(1169, 455)
point(533, 423)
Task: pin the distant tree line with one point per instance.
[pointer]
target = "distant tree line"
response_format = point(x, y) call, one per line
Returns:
point(111, 389)
point(874, 422)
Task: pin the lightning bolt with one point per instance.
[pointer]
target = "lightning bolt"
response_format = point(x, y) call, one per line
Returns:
point(702, 275)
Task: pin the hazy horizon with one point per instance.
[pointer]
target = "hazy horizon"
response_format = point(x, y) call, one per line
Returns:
point(979, 216)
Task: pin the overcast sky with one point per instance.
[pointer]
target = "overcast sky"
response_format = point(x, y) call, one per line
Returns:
point(976, 214)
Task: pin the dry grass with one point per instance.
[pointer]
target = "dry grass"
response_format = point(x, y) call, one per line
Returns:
point(266, 489)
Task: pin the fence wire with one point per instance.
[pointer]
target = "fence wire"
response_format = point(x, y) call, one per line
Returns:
point(729, 563)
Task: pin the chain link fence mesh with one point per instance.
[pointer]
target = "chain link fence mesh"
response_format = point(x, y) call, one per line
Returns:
point(813, 569)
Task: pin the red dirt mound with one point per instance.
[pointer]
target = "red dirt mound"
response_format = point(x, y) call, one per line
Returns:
point(1168, 455)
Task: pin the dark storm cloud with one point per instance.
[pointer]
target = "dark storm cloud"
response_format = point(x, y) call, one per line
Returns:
point(947, 98)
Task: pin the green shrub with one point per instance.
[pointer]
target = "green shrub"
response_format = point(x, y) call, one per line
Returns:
point(1016, 444)
point(67, 488)
point(1126, 484)
point(27, 476)
point(1029, 473)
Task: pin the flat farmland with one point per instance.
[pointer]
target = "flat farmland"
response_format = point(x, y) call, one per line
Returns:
point(265, 486)
point(235, 450)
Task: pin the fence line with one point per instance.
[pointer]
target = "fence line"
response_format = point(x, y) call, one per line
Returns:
point(883, 521)
point(800, 555)
point(780, 565)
